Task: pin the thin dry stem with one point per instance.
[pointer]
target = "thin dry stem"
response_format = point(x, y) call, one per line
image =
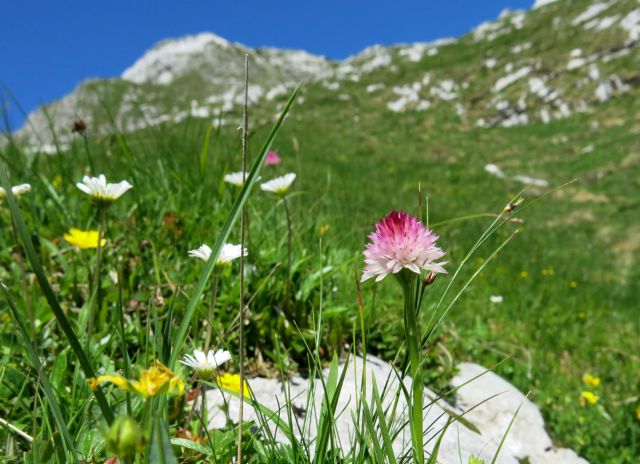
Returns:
point(245, 130)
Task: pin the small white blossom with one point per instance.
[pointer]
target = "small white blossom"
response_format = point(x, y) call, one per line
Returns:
point(279, 185)
point(236, 178)
point(206, 363)
point(228, 253)
point(100, 190)
point(17, 190)
point(496, 299)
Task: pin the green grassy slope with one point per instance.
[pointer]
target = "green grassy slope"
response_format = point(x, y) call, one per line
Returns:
point(569, 279)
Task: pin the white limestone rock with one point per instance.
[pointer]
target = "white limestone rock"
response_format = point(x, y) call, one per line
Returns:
point(527, 437)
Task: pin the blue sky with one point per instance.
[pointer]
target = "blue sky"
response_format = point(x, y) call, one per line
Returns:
point(47, 47)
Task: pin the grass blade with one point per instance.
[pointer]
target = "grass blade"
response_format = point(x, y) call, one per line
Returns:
point(224, 234)
point(44, 380)
point(50, 296)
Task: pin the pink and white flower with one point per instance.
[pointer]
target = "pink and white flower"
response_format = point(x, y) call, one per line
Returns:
point(272, 159)
point(401, 241)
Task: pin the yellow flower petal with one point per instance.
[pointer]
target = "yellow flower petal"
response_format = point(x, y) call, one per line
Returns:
point(117, 380)
point(84, 239)
point(591, 381)
point(153, 381)
point(232, 382)
point(159, 379)
point(587, 397)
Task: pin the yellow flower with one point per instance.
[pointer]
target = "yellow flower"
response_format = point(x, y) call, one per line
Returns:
point(590, 380)
point(153, 381)
point(573, 284)
point(638, 412)
point(324, 229)
point(582, 315)
point(84, 239)
point(524, 274)
point(548, 272)
point(232, 382)
point(586, 397)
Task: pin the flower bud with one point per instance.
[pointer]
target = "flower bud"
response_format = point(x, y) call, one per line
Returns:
point(125, 437)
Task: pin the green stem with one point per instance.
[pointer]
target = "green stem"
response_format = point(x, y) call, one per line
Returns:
point(214, 293)
point(288, 215)
point(409, 280)
point(86, 148)
point(97, 300)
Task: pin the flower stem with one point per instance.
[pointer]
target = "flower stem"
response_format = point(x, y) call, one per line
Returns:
point(88, 152)
point(245, 136)
point(288, 215)
point(97, 300)
point(412, 335)
point(214, 294)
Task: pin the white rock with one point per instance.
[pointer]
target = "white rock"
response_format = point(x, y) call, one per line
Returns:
point(509, 79)
point(494, 170)
point(601, 24)
point(541, 3)
point(174, 55)
point(531, 181)
point(631, 24)
point(526, 439)
point(374, 87)
point(594, 10)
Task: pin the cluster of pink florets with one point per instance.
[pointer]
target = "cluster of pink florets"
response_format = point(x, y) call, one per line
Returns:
point(401, 241)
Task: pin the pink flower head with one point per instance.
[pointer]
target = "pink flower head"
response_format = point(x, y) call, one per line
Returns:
point(401, 241)
point(272, 159)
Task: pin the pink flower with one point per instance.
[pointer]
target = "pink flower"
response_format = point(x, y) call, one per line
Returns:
point(272, 159)
point(401, 241)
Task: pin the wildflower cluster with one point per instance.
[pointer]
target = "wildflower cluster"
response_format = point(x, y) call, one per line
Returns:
point(158, 379)
point(589, 395)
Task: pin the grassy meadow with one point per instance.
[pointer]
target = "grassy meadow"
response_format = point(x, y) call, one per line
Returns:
point(569, 278)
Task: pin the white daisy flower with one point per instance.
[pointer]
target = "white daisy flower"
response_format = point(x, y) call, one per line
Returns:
point(17, 190)
point(279, 185)
point(236, 178)
point(228, 253)
point(206, 363)
point(496, 299)
point(100, 190)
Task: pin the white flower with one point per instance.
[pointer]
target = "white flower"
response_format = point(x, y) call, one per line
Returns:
point(206, 363)
point(496, 299)
point(279, 185)
point(228, 253)
point(17, 190)
point(99, 189)
point(236, 178)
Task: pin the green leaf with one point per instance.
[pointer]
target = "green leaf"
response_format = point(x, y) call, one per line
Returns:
point(506, 432)
point(433, 459)
point(388, 443)
point(204, 153)
point(50, 296)
point(192, 445)
point(160, 451)
point(44, 380)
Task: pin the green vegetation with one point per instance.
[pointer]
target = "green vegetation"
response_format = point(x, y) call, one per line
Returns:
point(569, 280)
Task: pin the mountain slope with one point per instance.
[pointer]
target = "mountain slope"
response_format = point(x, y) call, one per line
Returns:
point(560, 58)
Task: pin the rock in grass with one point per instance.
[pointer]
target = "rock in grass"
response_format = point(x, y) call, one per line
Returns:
point(527, 438)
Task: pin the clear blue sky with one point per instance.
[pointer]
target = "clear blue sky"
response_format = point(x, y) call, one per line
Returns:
point(48, 46)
